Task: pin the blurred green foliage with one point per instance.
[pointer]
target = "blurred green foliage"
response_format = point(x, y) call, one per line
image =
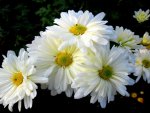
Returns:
point(21, 20)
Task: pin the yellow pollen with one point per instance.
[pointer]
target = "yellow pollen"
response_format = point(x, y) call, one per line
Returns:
point(63, 59)
point(17, 78)
point(146, 63)
point(145, 42)
point(106, 72)
point(78, 29)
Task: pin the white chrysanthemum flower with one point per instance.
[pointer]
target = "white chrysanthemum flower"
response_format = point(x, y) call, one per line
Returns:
point(146, 40)
point(82, 28)
point(126, 38)
point(17, 80)
point(61, 66)
point(141, 15)
point(107, 73)
point(35, 45)
point(142, 65)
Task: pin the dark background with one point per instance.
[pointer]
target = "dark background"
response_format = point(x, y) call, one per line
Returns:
point(21, 20)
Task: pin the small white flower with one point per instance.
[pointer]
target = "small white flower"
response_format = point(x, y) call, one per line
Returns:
point(141, 16)
point(82, 28)
point(126, 38)
point(61, 66)
point(106, 73)
point(17, 80)
point(142, 65)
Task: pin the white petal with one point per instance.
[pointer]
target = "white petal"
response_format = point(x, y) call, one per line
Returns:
point(53, 92)
point(49, 71)
point(147, 74)
point(98, 17)
point(69, 92)
point(33, 94)
point(80, 93)
point(93, 99)
point(84, 19)
point(103, 103)
point(19, 106)
point(10, 107)
point(37, 79)
point(64, 81)
point(25, 102)
point(58, 78)
point(30, 102)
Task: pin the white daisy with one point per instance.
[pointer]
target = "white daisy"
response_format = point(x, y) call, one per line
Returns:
point(82, 28)
point(141, 15)
point(142, 65)
point(126, 38)
point(61, 66)
point(17, 80)
point(35, 45)
point(107, 73)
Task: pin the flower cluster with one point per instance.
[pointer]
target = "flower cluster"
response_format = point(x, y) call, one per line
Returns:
point(79, 55)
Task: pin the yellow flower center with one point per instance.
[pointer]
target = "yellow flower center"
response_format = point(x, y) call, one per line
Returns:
point(106, 72)
point(17, 78)
point(142, 16)
point(146, 63)
point(78, 29)
point(63, 59)
point(145, 42)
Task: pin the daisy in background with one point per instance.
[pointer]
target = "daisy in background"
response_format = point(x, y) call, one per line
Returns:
point(17, 80)
point(82, 28)
point(106, 74)
point(125, 38)
point(141, 16)
point(142, 65)
point(61, 66)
